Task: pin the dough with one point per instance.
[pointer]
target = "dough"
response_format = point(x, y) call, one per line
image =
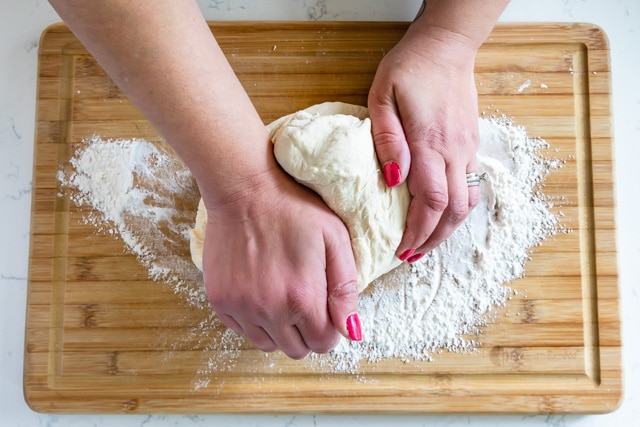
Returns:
point(329, 148)
point(196, 241)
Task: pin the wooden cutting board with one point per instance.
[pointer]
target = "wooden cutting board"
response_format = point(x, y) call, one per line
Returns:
point(102, 337)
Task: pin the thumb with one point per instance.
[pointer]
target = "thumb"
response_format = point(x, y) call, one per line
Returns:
point(342, 289)
point(390, 141)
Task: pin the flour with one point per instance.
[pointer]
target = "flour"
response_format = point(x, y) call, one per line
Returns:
point(524, 85)
point(139, 192)
point(404, 317)
point(143, 194)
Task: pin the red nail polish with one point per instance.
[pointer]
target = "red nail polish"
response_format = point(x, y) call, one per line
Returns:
point(406, 254)
point(353, 327)
point(391, 172)
point(415, 258)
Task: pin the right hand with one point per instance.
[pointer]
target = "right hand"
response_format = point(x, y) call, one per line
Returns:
point(424, 118)
point(279, 268)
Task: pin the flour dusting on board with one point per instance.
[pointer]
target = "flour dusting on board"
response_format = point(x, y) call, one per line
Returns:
point(141, 193)
point(432, 305)
point(144, 195)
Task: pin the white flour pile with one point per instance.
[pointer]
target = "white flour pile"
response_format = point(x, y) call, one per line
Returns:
point(143, 194)
point(147, 197)
point(428, 306)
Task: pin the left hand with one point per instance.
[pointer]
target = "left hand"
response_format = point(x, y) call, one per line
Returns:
point(424, 115)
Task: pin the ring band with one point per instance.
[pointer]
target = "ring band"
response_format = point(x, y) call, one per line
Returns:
point(474, 179)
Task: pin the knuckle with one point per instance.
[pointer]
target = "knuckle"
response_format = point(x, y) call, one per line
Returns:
point(261, 310)
point(216, 299)
point(325, 346)
point(296, 354)
point(297, 302)
point(267, 347)
point(433, 138)
point(458, 211)
point(386, 141)
point(436, 137)
point(474, 199)
point(252, 306)
point(344, 291)
point(436, 199)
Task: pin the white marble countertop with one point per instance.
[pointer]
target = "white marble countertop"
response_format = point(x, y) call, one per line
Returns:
point(22, 22)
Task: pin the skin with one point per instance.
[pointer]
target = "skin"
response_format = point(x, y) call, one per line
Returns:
point(424, 113)
point(278, 264)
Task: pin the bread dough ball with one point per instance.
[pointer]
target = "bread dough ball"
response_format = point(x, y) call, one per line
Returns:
point(329, 148)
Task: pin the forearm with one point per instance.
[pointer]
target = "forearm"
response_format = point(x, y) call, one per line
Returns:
point(462, 22)
point(164, 58)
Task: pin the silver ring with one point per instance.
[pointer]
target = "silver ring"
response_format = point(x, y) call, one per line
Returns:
point(474, 179)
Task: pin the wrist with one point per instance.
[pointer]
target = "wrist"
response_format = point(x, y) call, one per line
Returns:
point(235, 189)
point(441, 46)
point(464, 22)
point(232, 163)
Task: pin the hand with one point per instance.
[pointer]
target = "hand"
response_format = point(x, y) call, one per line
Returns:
point(279, 269)
point(423, 107)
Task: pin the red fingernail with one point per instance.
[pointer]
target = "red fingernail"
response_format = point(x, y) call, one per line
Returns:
point(406, 254)
point(415, 258)
point(391, 172)
point(353, 327)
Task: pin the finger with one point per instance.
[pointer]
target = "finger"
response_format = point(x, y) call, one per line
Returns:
point(275, 329)
point(389, 140)
point(299, 306)
point(430, 198)
point(318, 332)
point(474, 191)
point(315, 325)
point(288, 339)
point(256, 334)
point(456, 211)
point(231, 323)
point(342, 287)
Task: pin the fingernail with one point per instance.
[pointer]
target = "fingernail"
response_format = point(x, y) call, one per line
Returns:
point(353, 327)
point(406, 254)
point(391, 172)
point(415, 258)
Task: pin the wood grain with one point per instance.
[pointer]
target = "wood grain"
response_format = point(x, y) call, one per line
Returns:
point(102, 337)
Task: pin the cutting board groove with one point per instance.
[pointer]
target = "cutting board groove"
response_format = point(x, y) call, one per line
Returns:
point(102, 337)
